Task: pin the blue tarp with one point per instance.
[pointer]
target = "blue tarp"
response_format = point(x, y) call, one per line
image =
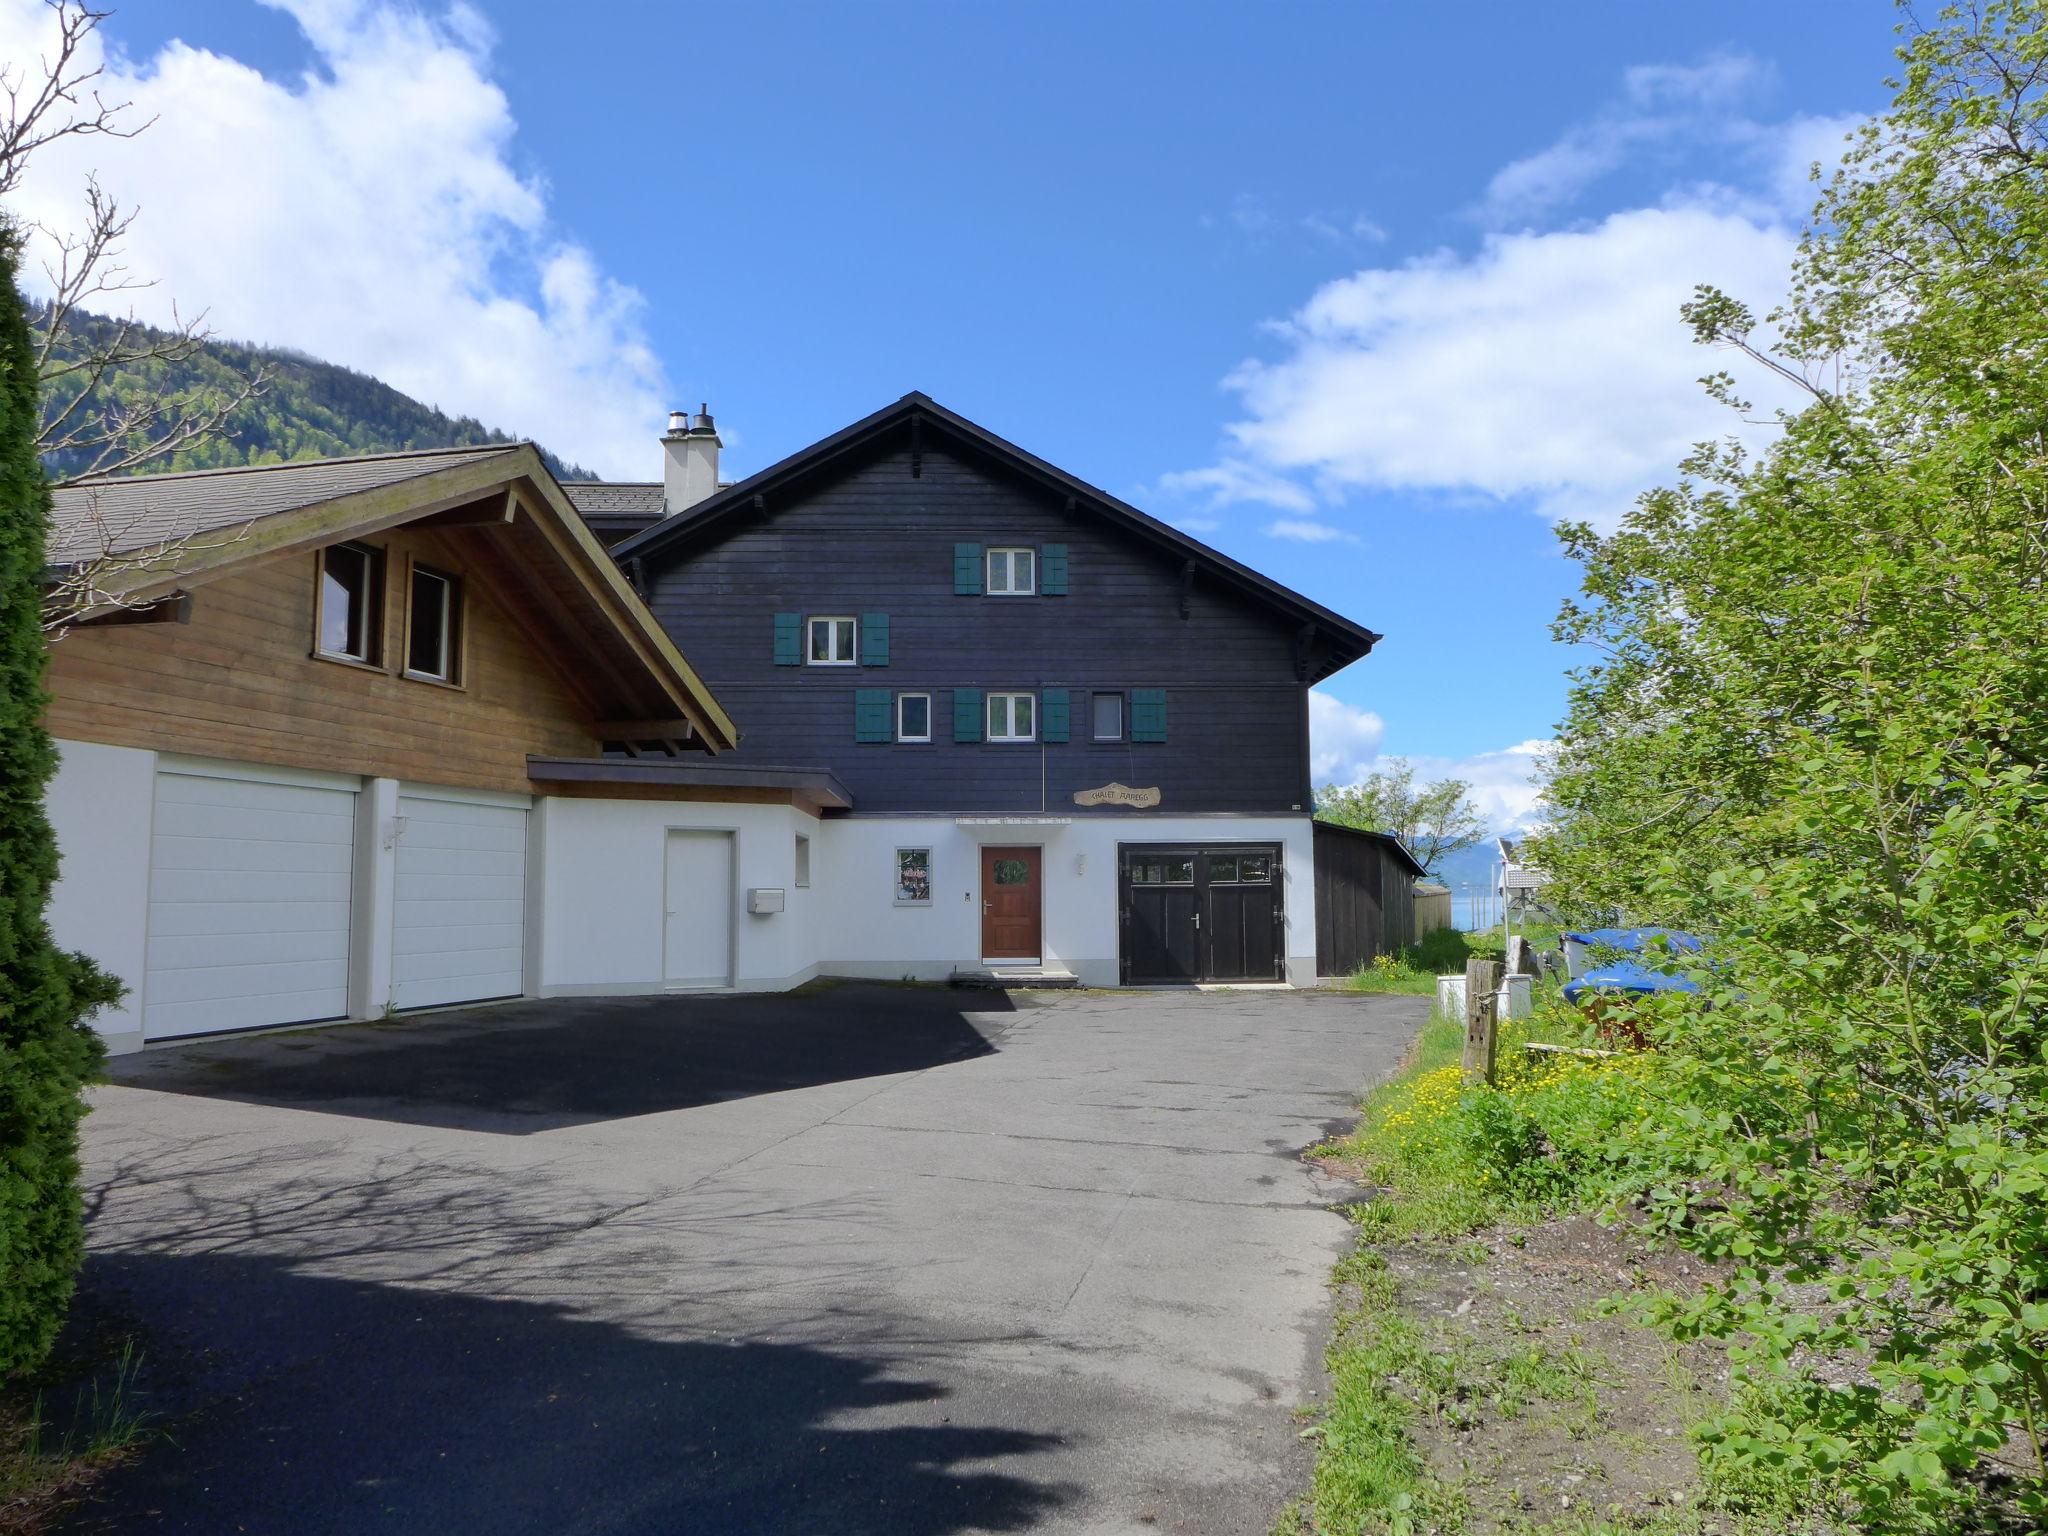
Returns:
point(1627, 976)
point(1638, 940)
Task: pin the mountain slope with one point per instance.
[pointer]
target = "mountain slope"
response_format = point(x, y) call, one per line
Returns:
point(309, 410)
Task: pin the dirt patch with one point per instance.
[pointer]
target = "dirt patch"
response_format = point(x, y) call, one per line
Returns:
point(1552, 1407)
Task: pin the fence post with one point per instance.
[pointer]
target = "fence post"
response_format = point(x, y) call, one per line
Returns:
point(1482, 978)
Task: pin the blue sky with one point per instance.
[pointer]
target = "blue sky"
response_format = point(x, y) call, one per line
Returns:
point(1365, 294)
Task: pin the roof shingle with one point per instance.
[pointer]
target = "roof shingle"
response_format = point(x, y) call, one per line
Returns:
point(121, 514)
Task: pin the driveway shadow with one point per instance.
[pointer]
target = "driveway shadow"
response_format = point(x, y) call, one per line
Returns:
point(536, 1065)
point(285, 1401)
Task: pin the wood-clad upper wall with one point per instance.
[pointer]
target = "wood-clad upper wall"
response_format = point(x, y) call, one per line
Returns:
point(876, 539)
point(241, 681)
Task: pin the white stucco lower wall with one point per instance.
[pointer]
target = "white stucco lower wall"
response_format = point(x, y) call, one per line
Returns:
point(864, 932)
point(100, 804)
point(601, 889)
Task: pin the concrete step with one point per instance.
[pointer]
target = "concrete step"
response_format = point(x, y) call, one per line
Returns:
point(1009, 976)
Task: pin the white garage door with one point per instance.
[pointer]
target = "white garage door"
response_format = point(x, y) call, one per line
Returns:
point(459, 917)
point(249, 885)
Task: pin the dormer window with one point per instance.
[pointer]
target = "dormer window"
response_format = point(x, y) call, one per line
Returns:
point(1012, 572)
point(833, 643)
point(348, 623)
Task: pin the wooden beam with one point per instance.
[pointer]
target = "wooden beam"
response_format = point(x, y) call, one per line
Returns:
point(1187, 589)
point(1304, 650)
point(916, 445)
point(496, 509)
point(644, 730)
point(175, 609)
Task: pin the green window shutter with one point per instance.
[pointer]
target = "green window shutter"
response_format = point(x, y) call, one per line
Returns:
point(1052, 570)
point(967, 724)
point(1148, 714)
point(1052, 715)
point(871, 707)
point(967, 570)
point(789, 639)
point(874, 639)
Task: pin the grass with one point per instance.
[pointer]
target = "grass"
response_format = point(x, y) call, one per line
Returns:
point(41, 1470)
point(1399, 1377)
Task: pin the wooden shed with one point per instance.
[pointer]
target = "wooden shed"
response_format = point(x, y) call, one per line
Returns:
point(1365, 897)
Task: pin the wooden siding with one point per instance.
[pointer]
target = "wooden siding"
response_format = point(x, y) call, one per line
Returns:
point(1365, 901)
point(240, 680)
point(877, 540)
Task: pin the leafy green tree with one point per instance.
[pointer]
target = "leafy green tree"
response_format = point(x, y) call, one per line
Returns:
point(1434, 820)
point(1819, 730)
point(47, 1051)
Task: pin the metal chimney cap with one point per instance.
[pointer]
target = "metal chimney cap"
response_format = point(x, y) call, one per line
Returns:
point(678, 423)
point(703, 422)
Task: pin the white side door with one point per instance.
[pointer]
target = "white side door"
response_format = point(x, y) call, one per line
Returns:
point(698, 902)
point(250, 884)
point(458, 913)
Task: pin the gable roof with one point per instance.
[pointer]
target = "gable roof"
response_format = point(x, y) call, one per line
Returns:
point(126, 514)
point(1387, 840)
point(916, 415)
point(617, 498)
point(143, 537)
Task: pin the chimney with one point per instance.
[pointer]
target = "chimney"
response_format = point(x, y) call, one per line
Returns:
point(689, 467)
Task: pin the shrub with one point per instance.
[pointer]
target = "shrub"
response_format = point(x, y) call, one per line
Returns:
point(1439, 953)
point(47, 1052)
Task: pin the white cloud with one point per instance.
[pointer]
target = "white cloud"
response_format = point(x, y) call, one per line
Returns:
point(1234, 480)
point(1343, 741)
point(1660, 104)
point(369, 212)
point(1549, 367)
point(1503, 782)
point(1306, 532)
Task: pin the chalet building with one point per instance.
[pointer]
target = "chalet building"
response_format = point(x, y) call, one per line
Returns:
point(410, 730)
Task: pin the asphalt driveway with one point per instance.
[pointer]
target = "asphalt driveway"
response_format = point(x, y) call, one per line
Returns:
point(855, 1260)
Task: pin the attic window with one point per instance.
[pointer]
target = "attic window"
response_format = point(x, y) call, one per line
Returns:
point(1012, 572)
point(347, 626)
point(433, 626)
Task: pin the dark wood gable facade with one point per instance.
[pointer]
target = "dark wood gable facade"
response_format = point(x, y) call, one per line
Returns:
point(877, 604)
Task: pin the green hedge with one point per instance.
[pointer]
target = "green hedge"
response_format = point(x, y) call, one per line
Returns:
point(47, 1051)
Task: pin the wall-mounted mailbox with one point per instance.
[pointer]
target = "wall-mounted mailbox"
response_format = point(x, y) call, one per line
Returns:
point(764, 899)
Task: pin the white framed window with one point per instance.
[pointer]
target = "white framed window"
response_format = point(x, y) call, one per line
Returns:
point(803, 862)
point(913, 877)
point(913, 717)
point(1012, 716)
point(351, 607)
point(1106, 722)
point(834, 642)
point(1012, 572)
point(432, 625)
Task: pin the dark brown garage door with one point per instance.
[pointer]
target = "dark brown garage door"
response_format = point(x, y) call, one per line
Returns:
point(1201, 913)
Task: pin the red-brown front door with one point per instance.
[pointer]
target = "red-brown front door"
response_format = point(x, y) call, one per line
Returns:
point(1009, 904)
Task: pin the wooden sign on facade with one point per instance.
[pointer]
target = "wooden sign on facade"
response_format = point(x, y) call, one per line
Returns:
point(1118, 794)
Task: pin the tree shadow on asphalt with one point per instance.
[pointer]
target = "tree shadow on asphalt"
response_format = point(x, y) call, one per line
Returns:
point(290, 1402)
point(521, 1067)
point(410, 1349)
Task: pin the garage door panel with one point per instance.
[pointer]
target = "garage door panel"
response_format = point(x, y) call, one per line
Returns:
point(260, 824)
point(171, 1020)
point(171, 952)
point(247, 917)
point(501, 962)
point(190, 984)
point(459, 908)
point(249, 904)
point(466, 937)
point(424, 894)
point(249, 887)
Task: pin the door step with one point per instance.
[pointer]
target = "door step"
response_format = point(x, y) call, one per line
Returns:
point(1003, 976)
